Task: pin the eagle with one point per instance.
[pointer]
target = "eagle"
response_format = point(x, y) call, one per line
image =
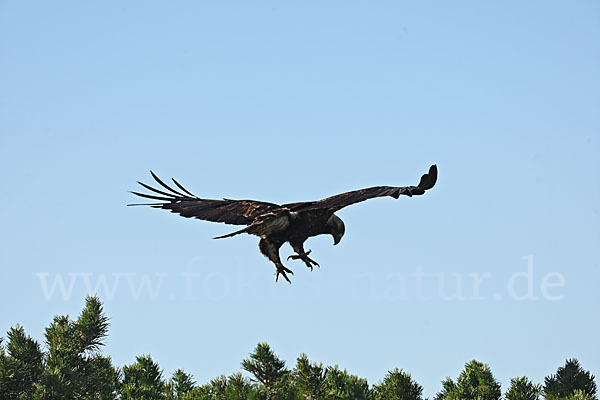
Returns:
point(276, 224)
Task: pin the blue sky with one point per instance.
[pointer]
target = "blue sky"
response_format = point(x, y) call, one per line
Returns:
point(298, 101)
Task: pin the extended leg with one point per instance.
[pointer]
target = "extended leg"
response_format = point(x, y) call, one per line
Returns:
point(270, 249)
point(302, 255)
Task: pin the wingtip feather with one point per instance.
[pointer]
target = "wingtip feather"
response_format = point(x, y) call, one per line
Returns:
point(180, 186)
point(429, 179)
point(161, 183)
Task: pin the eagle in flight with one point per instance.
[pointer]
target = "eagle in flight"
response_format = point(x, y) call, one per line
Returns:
point(276, 224)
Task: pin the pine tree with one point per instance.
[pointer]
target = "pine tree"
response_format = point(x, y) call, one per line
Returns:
point(311, 379)
point(567, 380)
point(343, 386)
point(274, 379)
point(264, 365)
point(523, 389)
point(475, 382)
point(579, 395)
point(143, 380)
point(20, 369)
point(398, 385)
point(74, 368)
point(448, 390)
point(179, 385)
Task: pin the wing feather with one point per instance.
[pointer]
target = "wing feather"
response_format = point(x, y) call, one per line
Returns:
point(337, 202)
point(161, 183)
point(154, 189)
point(150, 196)
point(262, 217)
point(181, 187)
point(235, 212)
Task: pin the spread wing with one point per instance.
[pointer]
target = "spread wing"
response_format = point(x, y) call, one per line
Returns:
point(184, 203)
point(337, 202)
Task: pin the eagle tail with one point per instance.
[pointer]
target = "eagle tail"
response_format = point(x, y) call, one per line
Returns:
point(233, 233)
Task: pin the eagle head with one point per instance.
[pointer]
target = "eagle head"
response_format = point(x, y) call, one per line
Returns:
point(336, 228)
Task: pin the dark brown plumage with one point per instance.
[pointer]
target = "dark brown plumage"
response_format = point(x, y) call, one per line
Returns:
point(276, 224)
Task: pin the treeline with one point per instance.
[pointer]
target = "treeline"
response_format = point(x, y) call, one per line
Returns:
point(72, 367)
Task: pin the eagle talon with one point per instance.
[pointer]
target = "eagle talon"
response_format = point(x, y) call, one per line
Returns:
point(283, 270)
point(307, 260)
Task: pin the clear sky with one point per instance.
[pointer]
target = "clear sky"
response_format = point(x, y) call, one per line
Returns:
point(291, 101)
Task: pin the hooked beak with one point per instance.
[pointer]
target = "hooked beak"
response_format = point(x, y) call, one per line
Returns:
point(336, 240)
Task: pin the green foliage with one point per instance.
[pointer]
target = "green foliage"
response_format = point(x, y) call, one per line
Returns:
point(523, 389)
point(73, 367)
point(398, 385)
point(569, 379)
point(142, 380)
point(20, 369)
point(236, 387)
point(275, 382)
point(475, 382)
point(264, 365)
point(179, 385)
point(311, 379)
point(343, 386)
point(579, 395)
point(448, 389)
point(282, 389)
point(91, 327)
